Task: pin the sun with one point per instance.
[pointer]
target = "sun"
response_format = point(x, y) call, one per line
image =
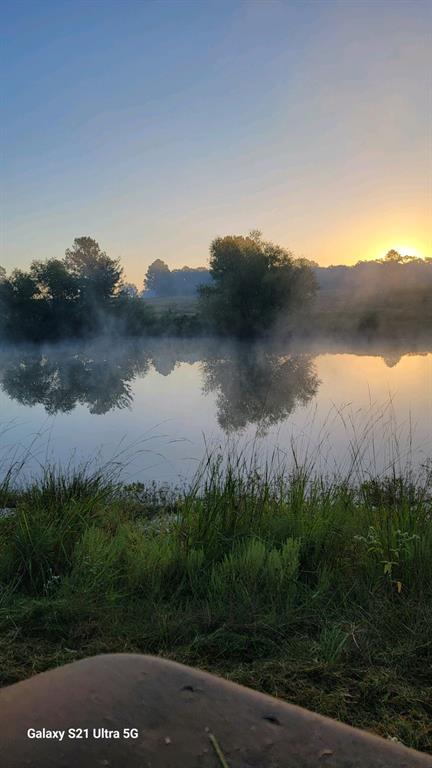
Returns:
point(407, 250)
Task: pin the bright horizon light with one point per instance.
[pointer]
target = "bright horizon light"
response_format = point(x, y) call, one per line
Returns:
point(404, 250)
point(168, 142)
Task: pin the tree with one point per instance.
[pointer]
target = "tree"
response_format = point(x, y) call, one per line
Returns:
point(254, 284)
point(25, 318)
point(130, 289)
point(80, 295)
point(54, 281)
point(131, 315)
point(393, 256)
point(158, 278)
point(186, 281)
point(5, 295)
point(58, 289)
point(99, 277)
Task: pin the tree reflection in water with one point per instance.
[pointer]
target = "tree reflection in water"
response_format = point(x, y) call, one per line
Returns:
point(62, 378)
point(252, 384)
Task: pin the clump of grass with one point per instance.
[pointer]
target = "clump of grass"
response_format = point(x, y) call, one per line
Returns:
point(314, 590)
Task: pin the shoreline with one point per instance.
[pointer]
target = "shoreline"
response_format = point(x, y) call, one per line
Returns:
point(319, 594)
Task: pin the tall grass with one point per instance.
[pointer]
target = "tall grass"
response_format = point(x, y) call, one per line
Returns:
point(313, 589)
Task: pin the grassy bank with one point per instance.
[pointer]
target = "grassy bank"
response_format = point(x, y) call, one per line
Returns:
point(316, 592)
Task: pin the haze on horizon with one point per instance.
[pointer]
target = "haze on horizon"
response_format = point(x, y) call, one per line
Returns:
point(155, 127)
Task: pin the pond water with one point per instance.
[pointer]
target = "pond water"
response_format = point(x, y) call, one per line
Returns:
point(158, 406)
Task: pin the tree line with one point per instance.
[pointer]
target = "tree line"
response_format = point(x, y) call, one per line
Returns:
point(162, 281)
point(251, 281)
point(250, 286)
point(384, 275)
point(70, 297)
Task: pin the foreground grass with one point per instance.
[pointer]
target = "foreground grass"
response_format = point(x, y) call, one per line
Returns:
point(316, 592)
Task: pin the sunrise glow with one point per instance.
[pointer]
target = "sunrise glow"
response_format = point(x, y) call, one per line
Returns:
point(404, 250)
point(158, 164)
point(407, 250)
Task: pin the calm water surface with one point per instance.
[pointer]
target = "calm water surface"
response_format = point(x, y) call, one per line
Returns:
point(157, 406)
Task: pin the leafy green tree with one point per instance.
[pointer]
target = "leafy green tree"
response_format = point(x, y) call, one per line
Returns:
point(132, 316)
point(99, 276)
point(254, 284)
point(130, 289)
point(55, 282)
point(393, 257)
point(5, 293)
point(23, 315)
point(59, 290)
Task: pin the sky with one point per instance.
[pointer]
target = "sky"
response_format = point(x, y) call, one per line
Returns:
point(156, 126)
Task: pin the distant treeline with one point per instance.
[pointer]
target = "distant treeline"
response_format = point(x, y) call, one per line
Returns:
point(366, 278)
point(160, 280)
point(251, 288)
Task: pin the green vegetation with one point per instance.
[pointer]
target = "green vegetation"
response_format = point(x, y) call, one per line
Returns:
point(397, 314)
point(314, 591)
point(254, 283)
point(187, 305)
point(338, 313)
point(81, 295)
point(253, 288)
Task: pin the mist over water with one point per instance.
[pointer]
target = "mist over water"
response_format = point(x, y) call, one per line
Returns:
point(157, 406)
